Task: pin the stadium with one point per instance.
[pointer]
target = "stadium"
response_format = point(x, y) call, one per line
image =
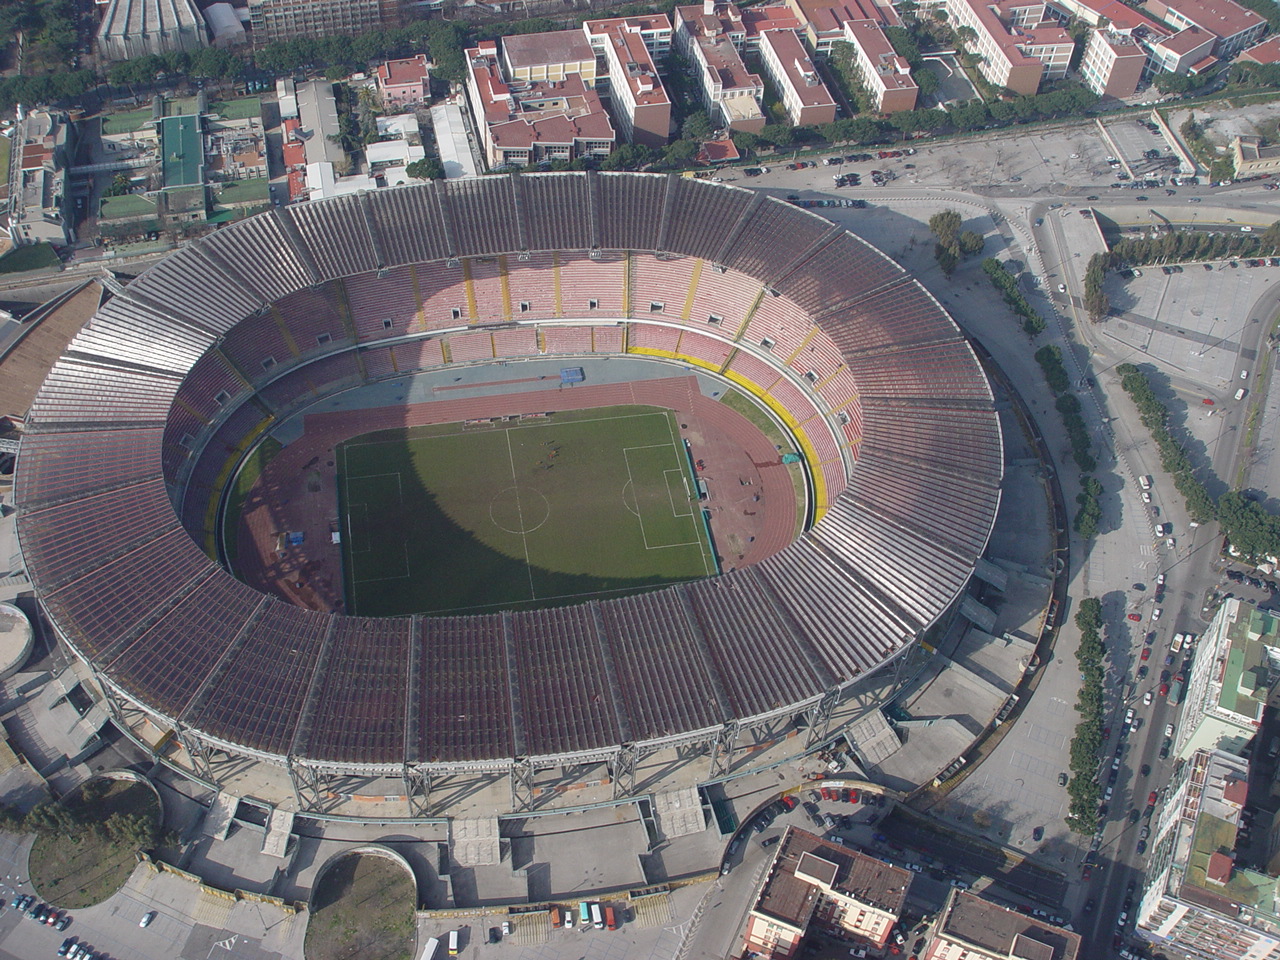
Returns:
point(136, 434)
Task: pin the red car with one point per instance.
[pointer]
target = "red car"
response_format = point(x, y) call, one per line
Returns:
point(789, 802)
point(1164, 689)
point(1146, 653)
point(1207, 402)
point(1151, 799)
point(1135, 617)
point(852, 797)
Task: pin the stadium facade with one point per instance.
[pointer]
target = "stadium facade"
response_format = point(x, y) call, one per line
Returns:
point(139, 425)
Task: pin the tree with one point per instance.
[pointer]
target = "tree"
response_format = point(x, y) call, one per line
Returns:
point(696, 126)
point(629, 156)
point(947, 259)
point(970, 243)
point(927, 81)
point(426, 169)
point(945, 225)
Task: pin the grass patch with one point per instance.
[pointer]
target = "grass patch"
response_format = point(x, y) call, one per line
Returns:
point(37, 256)
point(458, 517)
point(249, 473)
point(363, 907)
point(6, 148)
point(78, 866)
point(738, 401)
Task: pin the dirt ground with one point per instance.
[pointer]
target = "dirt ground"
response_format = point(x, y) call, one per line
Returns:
point(750, 495)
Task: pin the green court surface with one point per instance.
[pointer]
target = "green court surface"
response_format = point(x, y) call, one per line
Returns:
point(535, 512)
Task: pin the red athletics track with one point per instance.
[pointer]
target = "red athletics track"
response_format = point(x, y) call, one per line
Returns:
point(750, 492)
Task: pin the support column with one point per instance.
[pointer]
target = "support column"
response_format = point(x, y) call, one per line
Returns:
point(624, 771)
point(722, 749)
point(417, 789)
point(522, 784)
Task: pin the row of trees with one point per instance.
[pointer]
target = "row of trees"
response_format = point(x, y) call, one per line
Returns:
point(1084, 791)
point(1174, 459)
point(1089, 501)
point(1096, 300)
point(1245, 523)
point(1007, 284)
point(1193, 246)
point(1055, 374)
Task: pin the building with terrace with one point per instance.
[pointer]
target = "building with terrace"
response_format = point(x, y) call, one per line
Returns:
point(402, 83)
point(1232, 26)
point(710, 36)
point(1268, 51)
point(884, 74)
point(1198, 901)
point(1113, 64)
point(972, 928)
point(1236, 663)
point(823, 20)
point(1016, 44)
point(178, 378)
point(804, 96)
point(548, 57)
point(523, 123)
point(43, 144)
point(640, 102)
point(820, 885)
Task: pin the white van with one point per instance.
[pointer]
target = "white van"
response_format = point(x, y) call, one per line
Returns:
point(453, 943)
point(597, 916)
point(429, 951)
point(1144, 482)
point(1240, 394)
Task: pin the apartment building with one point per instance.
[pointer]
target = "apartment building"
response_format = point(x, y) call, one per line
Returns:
point(1113, 64)
point(628, 45)
point(526, 122)
point(823, 20)
point(970, 928)
point(1016, 46)
point(804, 96)
point(884, 74)
point(404, 82)
point(1229, 679)
point(1234, 26)
point(276, 20)
point(1200, 901)
point(816, 883)
point(710, 37)
point(43, 145)
point(135, 28)
point(548, 57)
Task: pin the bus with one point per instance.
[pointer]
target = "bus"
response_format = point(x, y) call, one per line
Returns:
point(429, 951)
point(610, 918)
point(584, 912)
point(453, 943)
point(597, 918)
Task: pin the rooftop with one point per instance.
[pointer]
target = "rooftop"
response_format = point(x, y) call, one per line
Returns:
point(1248, 671)
point(539, 49)
point(639, 70)
point(1223, 17)
point(894, 71)
point(255, 189)
point(789, 894)
point(799, 69)
point(712, 35)
point(129, 18)
point(1185, 41)
point(1268, 51)
point(126, 207)
point(410, 70)
point(756, 21)
point(182, 152)
point(828, 16)
point(1002, 932)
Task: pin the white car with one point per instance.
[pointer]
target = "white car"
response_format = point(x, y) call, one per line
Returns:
point(1062, 288)
point(1147, 698)
point(1155, 614)
point(147, 918)
point(1146, 496)
point(1160, 580)
point(1128, 717)
point(1168, 729)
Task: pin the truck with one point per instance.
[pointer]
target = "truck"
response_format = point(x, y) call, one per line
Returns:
point(610, 918)
point(1176, 645)
point(1144, 482)
point(1175, 692)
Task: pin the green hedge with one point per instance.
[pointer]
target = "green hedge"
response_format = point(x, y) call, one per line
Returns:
point(1007, 284)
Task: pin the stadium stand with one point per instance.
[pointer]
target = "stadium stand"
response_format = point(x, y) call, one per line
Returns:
point(314, 286)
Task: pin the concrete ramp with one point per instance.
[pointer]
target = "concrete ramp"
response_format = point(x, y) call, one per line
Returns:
point(873, 738)
point(679, 812)
point(981, 617)
point(279, 827)
point(988, 572)
point(217, 822)
point(475, 842)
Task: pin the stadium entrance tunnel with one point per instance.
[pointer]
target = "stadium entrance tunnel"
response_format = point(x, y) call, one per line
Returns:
point(173, 382)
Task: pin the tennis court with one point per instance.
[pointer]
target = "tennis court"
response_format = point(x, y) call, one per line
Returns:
point(505, 513)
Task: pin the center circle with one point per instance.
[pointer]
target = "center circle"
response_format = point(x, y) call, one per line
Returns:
point(519, 510)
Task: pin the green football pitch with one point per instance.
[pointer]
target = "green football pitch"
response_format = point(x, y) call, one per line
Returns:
point(535, 512)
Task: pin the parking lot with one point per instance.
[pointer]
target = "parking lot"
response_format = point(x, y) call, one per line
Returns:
point(1142, 146)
